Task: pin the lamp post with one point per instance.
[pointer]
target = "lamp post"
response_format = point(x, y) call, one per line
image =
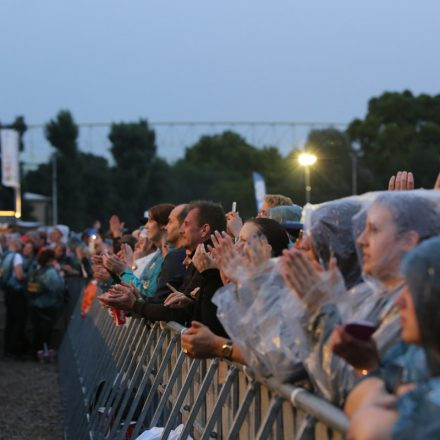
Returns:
point(307, 160)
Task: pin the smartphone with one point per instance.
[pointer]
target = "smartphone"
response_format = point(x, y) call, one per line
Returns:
point(234, 207)
point(360, 329)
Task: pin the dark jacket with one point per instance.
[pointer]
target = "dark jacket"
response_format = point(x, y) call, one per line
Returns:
point(173, 272)
point(201, 309)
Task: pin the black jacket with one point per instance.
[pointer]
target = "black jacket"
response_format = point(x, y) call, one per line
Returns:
point(201, 309)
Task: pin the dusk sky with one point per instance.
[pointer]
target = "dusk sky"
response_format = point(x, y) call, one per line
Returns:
point(199, 60)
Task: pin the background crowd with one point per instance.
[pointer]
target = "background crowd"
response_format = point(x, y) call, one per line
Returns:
point(341, 297)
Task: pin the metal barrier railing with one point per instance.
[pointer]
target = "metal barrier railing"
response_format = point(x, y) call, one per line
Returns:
point(117, 382)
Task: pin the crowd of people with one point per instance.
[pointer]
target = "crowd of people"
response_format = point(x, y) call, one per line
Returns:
point(344, 294)
point(33, 273)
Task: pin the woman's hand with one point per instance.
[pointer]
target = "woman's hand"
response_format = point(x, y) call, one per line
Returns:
point(362, 355)
point(100, 273)
point(226, 256)
point(127, 254)
point(402, 181)
point(309, 281)
point(114, 264)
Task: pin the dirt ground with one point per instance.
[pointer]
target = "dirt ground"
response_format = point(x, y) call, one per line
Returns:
point(30, 405)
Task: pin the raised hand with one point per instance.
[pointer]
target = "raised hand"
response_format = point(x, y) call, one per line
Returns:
point(437, 182)
point(114, 264)
point(227, 257)
point(116, 226)
point(127, 254)
point(202, 260)
point(308, 280)
point(402, 181)
point(233, 224)
point(100, 273)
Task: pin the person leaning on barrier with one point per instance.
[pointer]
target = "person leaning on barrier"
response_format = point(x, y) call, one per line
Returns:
point(147, 283)
point(395, 223)
point(410, 411)
point(172, 271)
point(198, 287)
point(259, 240)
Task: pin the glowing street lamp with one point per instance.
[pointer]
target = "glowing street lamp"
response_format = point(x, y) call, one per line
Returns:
point(307, 160)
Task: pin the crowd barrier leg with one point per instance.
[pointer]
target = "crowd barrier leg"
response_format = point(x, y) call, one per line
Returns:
point(130, 362)
point(118, 381)
point(141, 384)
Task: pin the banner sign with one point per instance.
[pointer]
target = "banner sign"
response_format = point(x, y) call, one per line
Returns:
point(9, 142)
point(260, 189)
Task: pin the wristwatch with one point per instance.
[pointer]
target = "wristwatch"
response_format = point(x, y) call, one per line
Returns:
point(227, 350)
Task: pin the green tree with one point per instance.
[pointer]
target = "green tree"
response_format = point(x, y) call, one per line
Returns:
point(135, 174)
point(219, 168)
point(400, 132)
point(331, 175)
point(84, 181)
point(62, 133)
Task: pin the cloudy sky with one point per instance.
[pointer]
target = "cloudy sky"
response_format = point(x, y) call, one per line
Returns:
point(198, 60)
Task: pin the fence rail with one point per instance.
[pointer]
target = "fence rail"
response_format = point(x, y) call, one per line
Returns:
point(116, 382)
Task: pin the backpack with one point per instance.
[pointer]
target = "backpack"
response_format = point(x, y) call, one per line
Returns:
point(6, 269)
point(38, 291)
point(34, 286)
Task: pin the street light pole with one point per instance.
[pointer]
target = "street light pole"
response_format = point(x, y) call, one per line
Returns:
point(353, 173)
point(54, 190)
point(308, 188)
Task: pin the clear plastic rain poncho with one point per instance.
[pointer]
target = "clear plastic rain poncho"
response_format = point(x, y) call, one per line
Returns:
point(419, 409)
point(388, 225)
point(262, 317)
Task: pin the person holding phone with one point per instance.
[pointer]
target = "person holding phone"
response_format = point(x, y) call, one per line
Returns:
point(409, 411)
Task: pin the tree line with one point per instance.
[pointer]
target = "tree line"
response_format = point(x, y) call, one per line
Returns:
point(399, 131)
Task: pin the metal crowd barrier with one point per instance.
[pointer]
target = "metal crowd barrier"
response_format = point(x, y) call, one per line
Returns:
point(117, 382)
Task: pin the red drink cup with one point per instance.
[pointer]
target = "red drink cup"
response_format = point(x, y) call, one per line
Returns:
point(130, 430)
point(118, 316)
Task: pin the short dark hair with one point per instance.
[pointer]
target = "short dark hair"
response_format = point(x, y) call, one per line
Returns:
point(276, 235)
point(45, 256)
point(209, 213)
point(160, 213)
point(183, 212)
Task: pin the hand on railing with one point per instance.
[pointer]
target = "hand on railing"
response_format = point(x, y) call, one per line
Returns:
point(198, 341)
